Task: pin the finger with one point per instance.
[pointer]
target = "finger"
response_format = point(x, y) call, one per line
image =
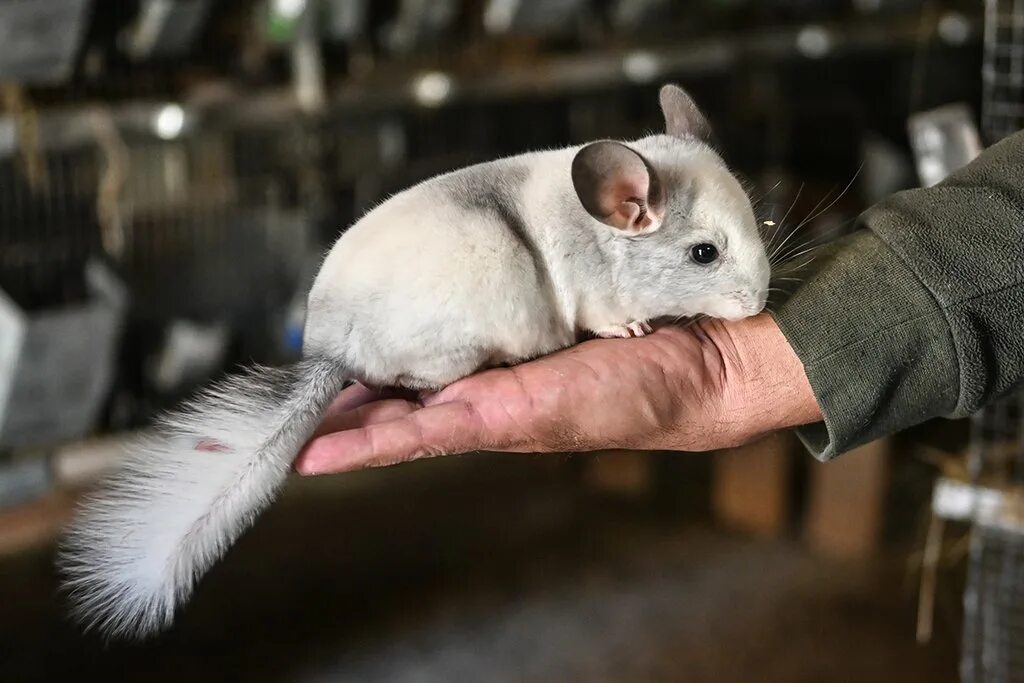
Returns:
point(352, 397)
point(337, 417)
point(441, 429)
point(369, 413)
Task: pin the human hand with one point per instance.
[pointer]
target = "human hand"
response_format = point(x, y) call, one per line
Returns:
point(711, 385)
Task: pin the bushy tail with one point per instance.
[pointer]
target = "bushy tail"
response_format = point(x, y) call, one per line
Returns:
point(138, 546)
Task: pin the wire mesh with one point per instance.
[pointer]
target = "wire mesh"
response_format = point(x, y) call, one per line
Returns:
point(1003, 69)
point(996, 452)
point(209, 201)
point(214, 227)
point(994, 602)
point(993, 635)
point(48, 228)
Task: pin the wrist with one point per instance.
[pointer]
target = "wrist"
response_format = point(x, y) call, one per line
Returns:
point(771, 391)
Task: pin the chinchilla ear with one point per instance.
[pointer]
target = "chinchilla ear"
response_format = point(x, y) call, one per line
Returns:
point(619, 187)
point(683, 119)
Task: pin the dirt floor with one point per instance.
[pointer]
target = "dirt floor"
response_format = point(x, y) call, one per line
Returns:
point(500, 569)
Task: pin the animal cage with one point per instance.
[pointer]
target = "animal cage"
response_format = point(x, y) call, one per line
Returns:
point(211, 225)
point(993, 603)
point(60, 308)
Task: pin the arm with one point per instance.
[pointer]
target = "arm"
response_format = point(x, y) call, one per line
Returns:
point(920, 313)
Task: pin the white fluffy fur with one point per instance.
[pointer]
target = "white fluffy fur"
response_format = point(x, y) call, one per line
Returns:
point(428, 287)
point(139, 545)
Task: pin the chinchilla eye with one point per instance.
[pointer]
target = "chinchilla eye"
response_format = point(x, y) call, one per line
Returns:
point(704, 253)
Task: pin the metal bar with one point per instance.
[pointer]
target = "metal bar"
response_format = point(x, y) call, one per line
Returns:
point(563, 75)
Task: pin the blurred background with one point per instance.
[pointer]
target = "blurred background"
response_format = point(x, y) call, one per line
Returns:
point(171, 172)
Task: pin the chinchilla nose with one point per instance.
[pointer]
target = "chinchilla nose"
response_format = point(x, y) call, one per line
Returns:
point(756, 300)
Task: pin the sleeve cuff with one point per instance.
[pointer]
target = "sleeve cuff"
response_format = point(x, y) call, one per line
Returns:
point(875, 345)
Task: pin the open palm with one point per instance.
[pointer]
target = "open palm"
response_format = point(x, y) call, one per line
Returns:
point(675, 389)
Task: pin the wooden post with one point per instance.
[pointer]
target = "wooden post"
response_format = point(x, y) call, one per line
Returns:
point(751, 486)
point(847, 502)
point(34, 523)
point(620, 472)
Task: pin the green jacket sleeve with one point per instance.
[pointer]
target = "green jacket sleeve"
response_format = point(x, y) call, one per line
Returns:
point(919, 313)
